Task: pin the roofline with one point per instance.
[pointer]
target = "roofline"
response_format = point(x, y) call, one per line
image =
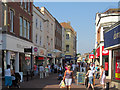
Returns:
point(38, 9)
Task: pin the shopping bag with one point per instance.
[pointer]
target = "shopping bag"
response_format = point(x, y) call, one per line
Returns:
point(62, 84)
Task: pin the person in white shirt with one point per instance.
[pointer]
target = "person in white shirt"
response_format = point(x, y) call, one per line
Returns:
point(74, 66)
point(41, 69)
point(8, 78)
point(90, 75)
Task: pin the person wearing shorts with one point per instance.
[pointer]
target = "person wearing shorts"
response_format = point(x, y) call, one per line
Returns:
point(68, 77)
point(90, 75)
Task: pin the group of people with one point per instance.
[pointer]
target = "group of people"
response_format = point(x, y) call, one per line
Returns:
point(12, 78)
point(95, 71)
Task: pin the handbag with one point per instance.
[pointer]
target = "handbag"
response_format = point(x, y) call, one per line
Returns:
point(62, 84)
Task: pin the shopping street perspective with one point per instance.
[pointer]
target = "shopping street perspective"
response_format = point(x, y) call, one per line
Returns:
point(41, 46)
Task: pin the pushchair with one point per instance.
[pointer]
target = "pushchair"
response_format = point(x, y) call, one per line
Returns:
point(16, 81)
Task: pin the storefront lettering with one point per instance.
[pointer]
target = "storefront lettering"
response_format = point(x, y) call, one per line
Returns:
point(21, 46)
point(116, 35)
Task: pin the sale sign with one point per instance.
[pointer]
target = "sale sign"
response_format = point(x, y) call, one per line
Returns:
point(117, 68)
point(91, 56)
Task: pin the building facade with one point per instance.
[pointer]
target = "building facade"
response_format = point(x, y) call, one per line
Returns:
point(70, 42)
point(38, 36)
point(17, 35)
point(49, 35)
point(103, 21)
point(112, 43)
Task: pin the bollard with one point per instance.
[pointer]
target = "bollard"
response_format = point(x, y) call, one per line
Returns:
point(27, 75)
point(107, 86)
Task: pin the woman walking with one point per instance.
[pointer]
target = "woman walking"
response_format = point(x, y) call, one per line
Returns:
point(68, 77)
point(102, 77)
point(8, 78)
point(90, 75)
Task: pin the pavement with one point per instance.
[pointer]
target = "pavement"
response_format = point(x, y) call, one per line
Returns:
point(52, 83)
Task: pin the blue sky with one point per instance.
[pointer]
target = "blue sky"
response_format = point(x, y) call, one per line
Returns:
point(82, 18)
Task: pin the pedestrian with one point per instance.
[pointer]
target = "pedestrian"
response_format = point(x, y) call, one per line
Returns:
point(55, 68)
point(41, 69)
point(8, 78)
point(74, 66)
point(90, 75)
point(35, 70)
point(96, 71)
point(52, 67)
point(91, 67)
point(68, 77)
point(102, 77)
point(46, 71)
point(49, 66)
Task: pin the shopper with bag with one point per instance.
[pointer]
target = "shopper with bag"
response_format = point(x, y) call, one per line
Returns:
point(68, 77)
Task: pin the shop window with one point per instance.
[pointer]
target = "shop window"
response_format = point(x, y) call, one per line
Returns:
point(116, 58)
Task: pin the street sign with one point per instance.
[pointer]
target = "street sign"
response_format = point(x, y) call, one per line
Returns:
point(35, 49)
point(27, 49)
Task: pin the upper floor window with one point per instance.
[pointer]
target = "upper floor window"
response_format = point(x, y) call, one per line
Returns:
point(51, 26)
point(11, 19)
point(28, 6)
point(67, 36)
point(67, 48)
point(28, 31)
point(36, 23)
point(25, 28)
point(40, 40)
point(36, 38)
point(21, 2)
point(47, 24)
point(21, 26)
point(25, 4)
point(40, 25)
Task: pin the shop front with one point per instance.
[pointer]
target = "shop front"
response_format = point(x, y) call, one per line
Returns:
point(112, 42)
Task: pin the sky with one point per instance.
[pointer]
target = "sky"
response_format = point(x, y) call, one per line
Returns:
point(82, 18)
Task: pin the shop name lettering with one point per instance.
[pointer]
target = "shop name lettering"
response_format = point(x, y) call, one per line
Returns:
point(116, 35)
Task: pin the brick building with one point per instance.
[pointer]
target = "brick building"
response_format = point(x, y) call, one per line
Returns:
point(17, 35)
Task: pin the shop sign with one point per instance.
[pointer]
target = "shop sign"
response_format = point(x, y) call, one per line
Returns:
point(112, 37)
point(98, 52)
point(27, 58)
point(106, 66)
point(67, 56)
point(105, 52)
point(117, 70)
point(40, 58)
point(91, 56)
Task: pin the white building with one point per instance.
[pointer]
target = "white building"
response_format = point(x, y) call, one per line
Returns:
point(38, 36)
point(103, 21)
point(49, 34)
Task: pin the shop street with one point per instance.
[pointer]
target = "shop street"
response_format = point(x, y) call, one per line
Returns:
point(51, 82)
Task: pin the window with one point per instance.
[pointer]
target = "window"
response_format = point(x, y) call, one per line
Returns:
point(67, 48)
point(51, 26)
point(11, 20)
point(47, 24)
point(25, 27)
point(36, 23)
point(21, 26)
point(40, 25)
point(21, 2)
point(40, 40)
point(25, 4)
point(28, 27)
point(67, 36)
point(36, 38)
point(28, 6)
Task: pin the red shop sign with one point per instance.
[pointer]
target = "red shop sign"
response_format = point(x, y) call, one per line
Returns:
point(106, 66)
point(27, 58)
point(98, 52)
point(40, 58)
point(117, 68)
point(91, 56)
point(105, 52)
